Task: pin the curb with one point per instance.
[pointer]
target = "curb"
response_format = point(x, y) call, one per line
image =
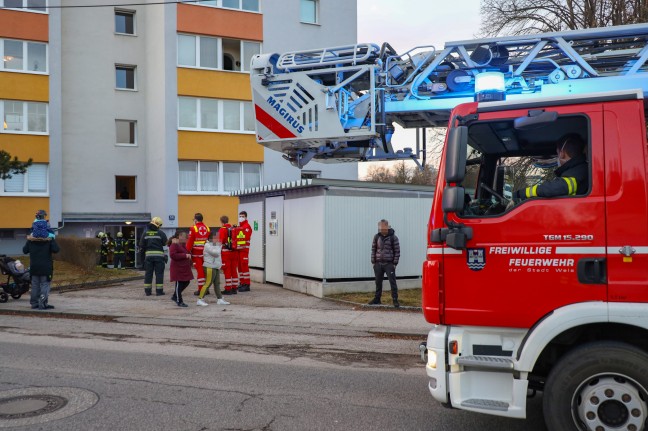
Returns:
point(93, 284)
point(407, 308)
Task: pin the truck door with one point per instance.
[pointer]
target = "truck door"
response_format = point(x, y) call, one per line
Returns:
point(522, 260)
point(626, 206)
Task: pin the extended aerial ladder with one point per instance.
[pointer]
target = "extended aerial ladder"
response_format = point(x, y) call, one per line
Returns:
point(340, 104)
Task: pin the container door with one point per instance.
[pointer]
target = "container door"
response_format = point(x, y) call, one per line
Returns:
point(626, 206)
point(522, 261)
point(274, 253)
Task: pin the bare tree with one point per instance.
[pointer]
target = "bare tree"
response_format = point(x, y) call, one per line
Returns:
point(402, 173)
point(379, 174)
point(513, 17)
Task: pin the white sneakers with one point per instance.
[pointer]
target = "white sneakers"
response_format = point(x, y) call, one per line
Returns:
point(222, 302)
point(202, 303)
point(219, 302)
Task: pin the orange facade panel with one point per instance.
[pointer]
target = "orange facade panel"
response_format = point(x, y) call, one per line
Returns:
point(211, 207)
point(220, 22)
point(22, 211)
point(216, 84)
point(24, 86)
point(24, 25)
point(227, 147)
point(25, 147)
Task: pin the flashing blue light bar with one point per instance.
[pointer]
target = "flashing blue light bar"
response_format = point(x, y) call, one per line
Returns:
point(489, 87)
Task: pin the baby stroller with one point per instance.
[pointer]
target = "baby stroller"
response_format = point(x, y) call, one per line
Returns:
point(18, 278)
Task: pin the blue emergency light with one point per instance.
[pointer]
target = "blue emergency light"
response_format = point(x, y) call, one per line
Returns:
point(489, 87)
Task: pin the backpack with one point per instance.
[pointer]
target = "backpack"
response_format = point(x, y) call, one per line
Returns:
point(232, 233)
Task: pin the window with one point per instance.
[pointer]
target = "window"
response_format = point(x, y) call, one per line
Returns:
point(7, 234)
point(125, 77)
point(246, 5)
point(23, 56)
point(205, 52)
point(23, 117)
point(125, 188)
point(217, 177)
point(27, 5)
point(126, 132)
point(308, 11)
point(502, 160)
point(124, 21)
point(215, 114)
point(34, 181)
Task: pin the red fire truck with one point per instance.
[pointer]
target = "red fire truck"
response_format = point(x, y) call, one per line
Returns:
point(525, 294)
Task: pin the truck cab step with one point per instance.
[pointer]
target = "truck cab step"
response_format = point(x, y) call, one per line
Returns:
point(486, 404)
point(487, 362)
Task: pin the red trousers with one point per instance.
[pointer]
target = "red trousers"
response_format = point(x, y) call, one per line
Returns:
point(244, 266)
point(230, 269)
point(200, 272)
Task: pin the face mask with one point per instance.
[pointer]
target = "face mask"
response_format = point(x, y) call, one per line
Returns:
point(241, 219)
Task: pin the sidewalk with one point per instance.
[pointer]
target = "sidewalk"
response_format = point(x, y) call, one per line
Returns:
point(265, 303)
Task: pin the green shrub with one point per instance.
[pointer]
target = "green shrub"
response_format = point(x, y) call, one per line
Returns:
point(83, 252)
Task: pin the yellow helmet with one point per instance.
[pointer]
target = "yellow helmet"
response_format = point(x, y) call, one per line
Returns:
point(119, 234)
point(157, 221)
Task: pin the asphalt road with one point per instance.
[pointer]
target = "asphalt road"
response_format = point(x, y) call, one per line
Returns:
point(166, 377)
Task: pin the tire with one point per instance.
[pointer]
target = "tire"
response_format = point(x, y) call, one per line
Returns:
point(16, 295)
point(3, 297)
point(598, 386)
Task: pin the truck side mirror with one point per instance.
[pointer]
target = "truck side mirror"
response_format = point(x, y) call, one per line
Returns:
point(453, 199)
point(455, 169)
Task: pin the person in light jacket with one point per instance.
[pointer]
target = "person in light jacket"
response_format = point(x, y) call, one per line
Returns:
point(212, 262)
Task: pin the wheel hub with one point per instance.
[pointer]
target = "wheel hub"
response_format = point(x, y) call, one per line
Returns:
point(611, 403)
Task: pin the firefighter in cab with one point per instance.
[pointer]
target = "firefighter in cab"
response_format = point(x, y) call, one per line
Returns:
point(119, 257)
point(243, 243)
point(198, 236)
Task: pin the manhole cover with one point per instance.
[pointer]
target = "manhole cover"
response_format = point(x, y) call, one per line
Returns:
point(29, 406)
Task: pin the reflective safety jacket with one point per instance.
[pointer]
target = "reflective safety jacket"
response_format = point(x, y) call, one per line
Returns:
point(153, 241)
point(198, 236)
point(572, 179)
point(120, 245)
point(243, 236)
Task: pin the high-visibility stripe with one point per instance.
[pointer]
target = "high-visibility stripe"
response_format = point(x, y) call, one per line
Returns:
point(527, 192)
point(571, 186)
point(575, 184)
point(153, 252)
point(534, 191)
point(273, 125)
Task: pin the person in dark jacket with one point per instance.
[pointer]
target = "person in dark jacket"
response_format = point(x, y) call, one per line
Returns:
point(181, 264)
point(385, 254)
point(572, 175)
point(152, 244)
point(41, 268)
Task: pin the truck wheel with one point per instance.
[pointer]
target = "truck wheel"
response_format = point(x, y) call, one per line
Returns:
point(599, 386)
point(4, 297)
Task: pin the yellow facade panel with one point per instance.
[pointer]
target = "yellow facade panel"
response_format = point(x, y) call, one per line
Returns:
point(211, 207)
point(219, 146)
point(22, 211)
point(214, 84)
point(26, 146)
point(24, 86)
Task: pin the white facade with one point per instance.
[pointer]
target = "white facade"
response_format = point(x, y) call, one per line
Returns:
point(283, 31)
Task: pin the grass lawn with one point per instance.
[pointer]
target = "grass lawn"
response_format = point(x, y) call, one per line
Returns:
point(409, 297)
point(66, 274)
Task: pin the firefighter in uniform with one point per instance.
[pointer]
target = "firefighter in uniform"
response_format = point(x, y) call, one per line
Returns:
point(100, 251)
point(105, 249)
point(119, 257)
point(130, 250)
point(230, 258)
point(152, 244)
point(243, 240)
point(198, 236)
point(571, 176)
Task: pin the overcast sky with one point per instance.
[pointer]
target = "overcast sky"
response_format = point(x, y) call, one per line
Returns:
point(406, 24)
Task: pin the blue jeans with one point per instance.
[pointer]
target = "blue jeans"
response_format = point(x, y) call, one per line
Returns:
point(40, 286)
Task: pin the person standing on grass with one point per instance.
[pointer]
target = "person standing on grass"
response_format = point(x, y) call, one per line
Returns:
point(180, 270)
point(212, 264)
point(40, 252)
point(385, 254)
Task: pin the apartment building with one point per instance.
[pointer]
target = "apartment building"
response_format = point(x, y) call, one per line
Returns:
point(141, 109)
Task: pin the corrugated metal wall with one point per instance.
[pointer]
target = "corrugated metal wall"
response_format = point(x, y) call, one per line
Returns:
point(351, 222)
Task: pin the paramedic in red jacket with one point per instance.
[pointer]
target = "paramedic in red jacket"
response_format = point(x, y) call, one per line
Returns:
point(244, 252)
point(230, 259)
point(198, 236)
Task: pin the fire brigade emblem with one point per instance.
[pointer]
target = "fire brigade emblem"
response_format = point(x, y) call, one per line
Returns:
point(476, 258)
